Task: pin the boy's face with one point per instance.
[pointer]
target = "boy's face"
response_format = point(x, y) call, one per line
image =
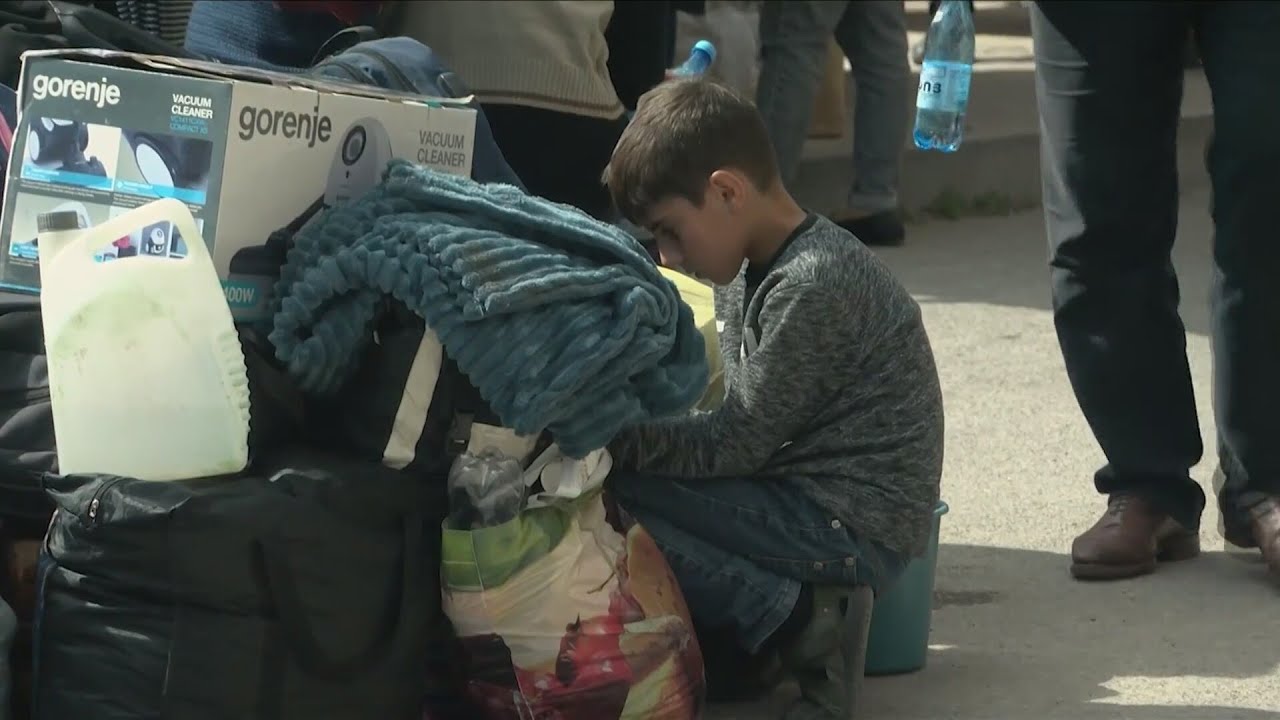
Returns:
point(708, 242)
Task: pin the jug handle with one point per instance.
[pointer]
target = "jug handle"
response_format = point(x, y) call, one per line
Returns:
point(79, 251)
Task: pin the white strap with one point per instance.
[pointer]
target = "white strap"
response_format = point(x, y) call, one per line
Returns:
point(564, 478)
point(415, 403)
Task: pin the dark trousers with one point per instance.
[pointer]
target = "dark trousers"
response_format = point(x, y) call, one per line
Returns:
point(641, 37)
point(558, 156)
point(1109, 85)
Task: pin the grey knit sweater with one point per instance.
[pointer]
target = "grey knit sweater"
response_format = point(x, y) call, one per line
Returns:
point(831, 387)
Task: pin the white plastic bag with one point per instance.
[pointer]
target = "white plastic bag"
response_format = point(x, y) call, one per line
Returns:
point(566, 612)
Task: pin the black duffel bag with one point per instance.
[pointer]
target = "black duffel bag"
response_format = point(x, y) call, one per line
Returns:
point(305, 588)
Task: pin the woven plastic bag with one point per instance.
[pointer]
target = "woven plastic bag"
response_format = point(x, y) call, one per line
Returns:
point(569, 612)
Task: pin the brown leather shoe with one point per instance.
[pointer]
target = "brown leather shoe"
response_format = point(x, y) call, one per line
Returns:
point(1128, 541)
point(1264, 519)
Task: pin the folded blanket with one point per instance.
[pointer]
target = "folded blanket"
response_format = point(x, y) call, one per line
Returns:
point(561, 322)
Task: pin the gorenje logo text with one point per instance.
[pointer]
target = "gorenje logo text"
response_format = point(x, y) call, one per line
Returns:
point(311, 127)
point(99, 93)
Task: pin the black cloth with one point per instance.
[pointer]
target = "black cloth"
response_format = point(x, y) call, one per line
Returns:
point(45, 24)
point(641, 40)
point(693, 7)
point(1109, 81)
point(362, 417)
point(559, 156)
point(26, 418)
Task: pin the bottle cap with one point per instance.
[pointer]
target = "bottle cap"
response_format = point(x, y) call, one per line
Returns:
point(58, 220)
point(705, 46)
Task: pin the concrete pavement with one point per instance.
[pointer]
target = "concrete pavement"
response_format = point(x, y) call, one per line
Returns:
point(1013, 636)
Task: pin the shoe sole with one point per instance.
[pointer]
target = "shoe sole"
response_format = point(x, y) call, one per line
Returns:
point(1174, 550)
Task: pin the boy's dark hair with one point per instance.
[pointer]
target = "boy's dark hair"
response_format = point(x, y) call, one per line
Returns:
point(683, 131)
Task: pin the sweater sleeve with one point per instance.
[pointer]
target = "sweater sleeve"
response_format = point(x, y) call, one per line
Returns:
point(728, 304)
point(777, 391)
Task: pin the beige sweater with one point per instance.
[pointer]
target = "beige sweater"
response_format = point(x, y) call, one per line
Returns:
point(548, 54)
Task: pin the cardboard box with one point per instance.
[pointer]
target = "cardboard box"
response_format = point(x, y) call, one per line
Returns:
point(248, 151)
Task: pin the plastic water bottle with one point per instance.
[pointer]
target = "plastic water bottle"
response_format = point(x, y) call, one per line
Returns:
point(700, 59)
point(944, 78)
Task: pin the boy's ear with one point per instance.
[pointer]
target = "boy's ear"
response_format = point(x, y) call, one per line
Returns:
point(728, 187)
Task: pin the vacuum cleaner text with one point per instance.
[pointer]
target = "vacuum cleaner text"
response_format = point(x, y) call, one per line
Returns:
point(99, 93)
point(312, 127)
point(193, 106)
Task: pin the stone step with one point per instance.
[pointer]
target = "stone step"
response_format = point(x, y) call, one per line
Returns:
point(1003, 18)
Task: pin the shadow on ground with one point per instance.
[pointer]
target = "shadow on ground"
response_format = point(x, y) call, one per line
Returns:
point(1014, 637)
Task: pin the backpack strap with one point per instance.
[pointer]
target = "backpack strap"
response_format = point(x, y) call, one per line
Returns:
point(385, 24)
point(344, 40)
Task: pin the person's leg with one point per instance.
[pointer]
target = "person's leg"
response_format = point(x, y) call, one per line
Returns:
point(641, 39)
point(533, 141)
point(1109, 87)
point(757, 561)
point(746, 568)
point(873, 35)
point(793, 48)
point(1242, 61)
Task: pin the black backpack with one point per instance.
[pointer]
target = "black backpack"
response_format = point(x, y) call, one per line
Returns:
point(53, 24)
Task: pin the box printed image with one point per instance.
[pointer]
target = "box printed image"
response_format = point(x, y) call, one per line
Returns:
point(71, 152)
point(161, 239)
point(24, 247)
point(162, 165)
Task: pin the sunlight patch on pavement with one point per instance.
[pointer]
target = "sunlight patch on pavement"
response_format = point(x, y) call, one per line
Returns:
point(1255, 693)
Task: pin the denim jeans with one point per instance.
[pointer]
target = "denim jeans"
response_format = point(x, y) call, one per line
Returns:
point(740, 548)
point(873, 36)
point(1109, 84)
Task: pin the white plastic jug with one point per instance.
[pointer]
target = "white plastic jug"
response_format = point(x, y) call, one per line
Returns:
point(146, 375)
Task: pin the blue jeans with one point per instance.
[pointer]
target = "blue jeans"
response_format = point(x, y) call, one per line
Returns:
point(741, 547)
point(873, 36)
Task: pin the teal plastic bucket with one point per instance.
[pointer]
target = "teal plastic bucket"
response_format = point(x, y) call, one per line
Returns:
point(899, 638)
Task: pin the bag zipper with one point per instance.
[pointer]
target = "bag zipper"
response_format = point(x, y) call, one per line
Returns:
point(95, 504)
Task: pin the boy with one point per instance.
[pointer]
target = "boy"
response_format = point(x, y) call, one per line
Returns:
point(820, 470)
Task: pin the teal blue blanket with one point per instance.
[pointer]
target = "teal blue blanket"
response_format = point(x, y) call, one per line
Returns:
point(561, 322)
